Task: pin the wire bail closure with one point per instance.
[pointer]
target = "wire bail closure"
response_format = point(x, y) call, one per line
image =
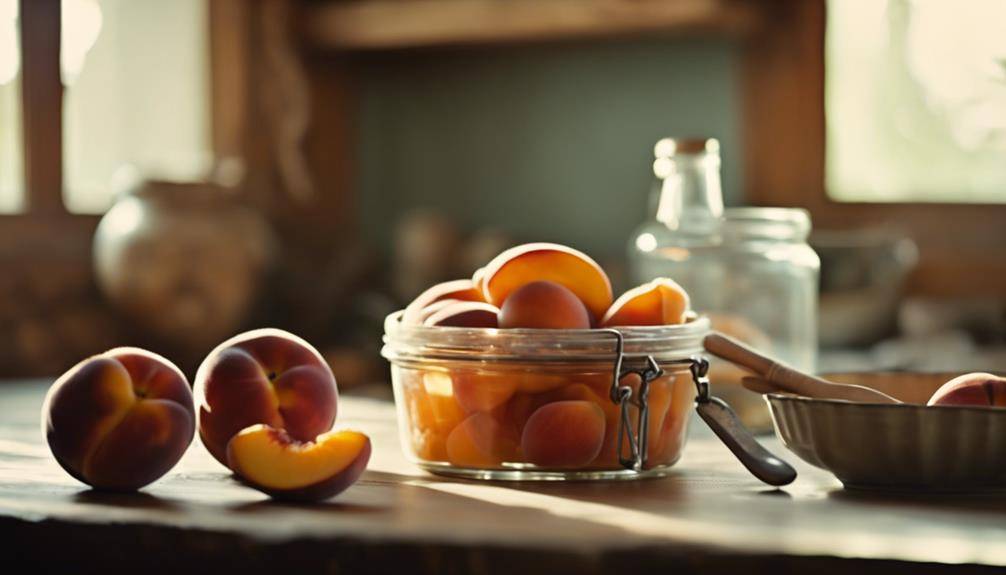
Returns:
point(624, 397)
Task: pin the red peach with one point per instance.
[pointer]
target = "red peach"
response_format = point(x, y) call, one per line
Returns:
point(464, 314)
point(461, 290)
point(544, 305)
point(266, 376)
point(972, 389)
point(119, 420)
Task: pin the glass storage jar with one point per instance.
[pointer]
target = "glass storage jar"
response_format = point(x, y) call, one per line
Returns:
point(531, 404)
point(749, 269)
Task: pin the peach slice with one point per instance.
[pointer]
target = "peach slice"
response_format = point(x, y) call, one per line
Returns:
point(269, 460)
point(564, 434)
point(432, 412)
point(461, 290)
point(482, 391)
point(472, 314)
point(481, 441)
point(972, 389)
point(544, 305)
point(659, 302)
point(527, 263)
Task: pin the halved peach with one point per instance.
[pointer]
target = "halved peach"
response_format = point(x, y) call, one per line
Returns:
point(528, 263)
point(463, 290)
point(659, 302)
point(481, 441)
point(564, 434)
point(544, 305)
point(269, 460)
point(432, 404)
point(482, 391)
point(433, 308)
point(464, 314)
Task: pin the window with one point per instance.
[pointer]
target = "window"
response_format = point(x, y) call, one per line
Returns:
point(137, 91)
point(132, 78)
point(11, 188)
point(915, 100)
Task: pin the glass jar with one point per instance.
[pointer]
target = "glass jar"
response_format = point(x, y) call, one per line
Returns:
point(530, 404)
point(749, 269)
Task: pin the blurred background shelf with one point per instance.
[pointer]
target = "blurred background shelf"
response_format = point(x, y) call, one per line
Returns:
point(397, 24)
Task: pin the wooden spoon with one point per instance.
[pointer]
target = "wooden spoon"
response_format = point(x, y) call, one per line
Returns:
point(787, 378)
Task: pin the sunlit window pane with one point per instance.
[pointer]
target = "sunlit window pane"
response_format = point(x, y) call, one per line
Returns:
point(136, 75)
point(916, 100)
point(11, 162)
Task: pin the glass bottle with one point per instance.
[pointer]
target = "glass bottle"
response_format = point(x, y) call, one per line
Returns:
point(749, 269)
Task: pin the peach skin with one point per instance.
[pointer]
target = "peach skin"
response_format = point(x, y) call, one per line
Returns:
point(461, 290)
point(528, 263)
point(269, 460)
point(264, 376)
point(481, 441)
point(972, 389)
point(119, 420)
point(464, 314)
point(543, 305)
point(564, 434)
point(659, 302)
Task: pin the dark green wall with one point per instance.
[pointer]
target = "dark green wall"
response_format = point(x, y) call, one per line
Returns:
point(547, 142)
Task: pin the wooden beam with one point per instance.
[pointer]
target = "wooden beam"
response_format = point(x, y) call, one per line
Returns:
point(391, 24)
point(229, 76)
point(42, 105)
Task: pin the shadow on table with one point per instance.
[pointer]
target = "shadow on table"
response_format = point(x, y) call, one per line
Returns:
point(982, 502)
point(131, 500)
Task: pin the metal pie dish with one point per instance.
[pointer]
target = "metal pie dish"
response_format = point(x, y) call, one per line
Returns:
point(896, 447)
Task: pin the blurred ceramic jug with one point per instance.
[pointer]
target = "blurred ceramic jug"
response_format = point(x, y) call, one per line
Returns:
point(183, 261)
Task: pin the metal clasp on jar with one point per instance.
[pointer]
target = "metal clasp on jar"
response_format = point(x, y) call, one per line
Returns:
point(626, 399)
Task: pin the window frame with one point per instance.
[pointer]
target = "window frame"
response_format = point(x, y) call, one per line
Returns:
point(962, 247)
point(44, 228)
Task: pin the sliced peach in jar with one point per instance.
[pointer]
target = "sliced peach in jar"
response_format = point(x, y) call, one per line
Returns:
point(435, 406)
point(481, 391)
point(564, 434)
point(472, 314)
point(543, 305)
point(659, 302)
point(269, 460)
point(528, 263)
point(481, 441)
point(461, 290)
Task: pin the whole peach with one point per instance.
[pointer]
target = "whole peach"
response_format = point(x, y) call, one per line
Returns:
point(544, 305)
point(119, 420)
point(265, 376)
point(972, 389)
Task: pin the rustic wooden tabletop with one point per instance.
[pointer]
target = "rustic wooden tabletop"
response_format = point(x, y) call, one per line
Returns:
point(709, 517)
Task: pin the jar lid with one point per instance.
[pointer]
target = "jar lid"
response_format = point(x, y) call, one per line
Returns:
point(666, 342)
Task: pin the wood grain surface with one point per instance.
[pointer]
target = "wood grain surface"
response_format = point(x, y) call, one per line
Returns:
point(710, 516)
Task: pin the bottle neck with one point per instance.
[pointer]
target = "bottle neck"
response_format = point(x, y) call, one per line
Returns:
point(691, 198)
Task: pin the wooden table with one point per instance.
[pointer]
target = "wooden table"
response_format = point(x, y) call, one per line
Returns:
point(709, 517)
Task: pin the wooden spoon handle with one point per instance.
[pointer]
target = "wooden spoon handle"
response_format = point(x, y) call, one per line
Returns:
point(785, 377)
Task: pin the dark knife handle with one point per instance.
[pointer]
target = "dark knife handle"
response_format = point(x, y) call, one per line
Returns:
point(758, 460)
